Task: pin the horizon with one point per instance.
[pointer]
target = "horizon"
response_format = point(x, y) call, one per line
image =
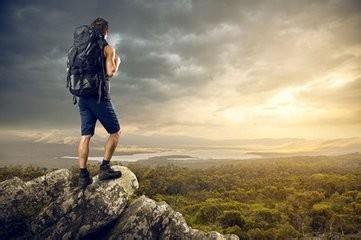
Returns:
point(132, 144)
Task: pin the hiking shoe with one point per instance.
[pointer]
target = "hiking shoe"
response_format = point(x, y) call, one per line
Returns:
point(84, 180)
point(106, 172)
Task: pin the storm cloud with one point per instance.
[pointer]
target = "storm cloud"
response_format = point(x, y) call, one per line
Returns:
point(216, 69)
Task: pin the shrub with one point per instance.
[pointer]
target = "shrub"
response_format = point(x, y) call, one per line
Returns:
point(232, 218)
point(208, 214)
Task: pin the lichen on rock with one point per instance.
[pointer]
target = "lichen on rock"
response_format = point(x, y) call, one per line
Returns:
point(48, 207)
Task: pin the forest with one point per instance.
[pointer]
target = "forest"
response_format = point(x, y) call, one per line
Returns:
point(280, 198)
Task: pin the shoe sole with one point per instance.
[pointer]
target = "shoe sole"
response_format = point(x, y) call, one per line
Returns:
point(102, 178)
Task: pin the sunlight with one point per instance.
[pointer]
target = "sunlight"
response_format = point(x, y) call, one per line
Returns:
point(337, 82)
point(284, 104)
point(234, 114)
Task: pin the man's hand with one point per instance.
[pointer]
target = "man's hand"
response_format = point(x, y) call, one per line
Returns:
point(112, 61)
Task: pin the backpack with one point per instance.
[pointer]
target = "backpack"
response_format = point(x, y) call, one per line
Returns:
point(85, 63)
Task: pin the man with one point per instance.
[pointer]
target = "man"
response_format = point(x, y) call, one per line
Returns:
point(91, 111)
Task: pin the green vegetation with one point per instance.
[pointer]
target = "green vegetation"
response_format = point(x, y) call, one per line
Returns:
point(24, 173)
point(263, 199)
point(259, 199)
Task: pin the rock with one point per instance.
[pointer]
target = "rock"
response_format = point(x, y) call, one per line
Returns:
point(49, 208)
point(20, 200)
point(81, 212)
point(128, 181)
point(148, 219)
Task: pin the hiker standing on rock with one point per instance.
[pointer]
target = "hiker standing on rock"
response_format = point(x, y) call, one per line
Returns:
point(91, 63)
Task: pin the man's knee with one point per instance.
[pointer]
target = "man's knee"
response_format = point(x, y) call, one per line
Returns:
point(115, 135)
point(86, 138)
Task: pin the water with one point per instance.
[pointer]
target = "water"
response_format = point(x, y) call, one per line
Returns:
point(181, 154)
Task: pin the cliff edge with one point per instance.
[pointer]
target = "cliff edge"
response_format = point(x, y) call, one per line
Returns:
point(48, 207)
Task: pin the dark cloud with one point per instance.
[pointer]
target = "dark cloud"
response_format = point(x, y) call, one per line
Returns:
point(174, 49)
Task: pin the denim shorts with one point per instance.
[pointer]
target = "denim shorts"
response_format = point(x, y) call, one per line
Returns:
point(91, 111)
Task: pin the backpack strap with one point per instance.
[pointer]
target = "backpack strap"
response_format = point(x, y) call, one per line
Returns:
point(100, 89)
point(101, 42)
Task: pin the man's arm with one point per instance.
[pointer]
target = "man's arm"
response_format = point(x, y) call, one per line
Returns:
point(112, 61)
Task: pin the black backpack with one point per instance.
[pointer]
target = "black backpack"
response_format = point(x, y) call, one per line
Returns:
point(85, 64)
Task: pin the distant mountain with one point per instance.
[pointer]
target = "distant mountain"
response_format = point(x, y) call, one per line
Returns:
point(71, 137)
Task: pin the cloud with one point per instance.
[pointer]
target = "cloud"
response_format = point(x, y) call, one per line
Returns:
point(215, 69)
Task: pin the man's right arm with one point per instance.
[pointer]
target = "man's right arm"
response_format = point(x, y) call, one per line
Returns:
point(112, 61)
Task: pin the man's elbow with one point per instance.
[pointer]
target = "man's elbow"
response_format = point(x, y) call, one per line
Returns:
point(111, 72)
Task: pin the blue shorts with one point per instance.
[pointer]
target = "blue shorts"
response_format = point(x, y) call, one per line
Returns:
point(91, 111)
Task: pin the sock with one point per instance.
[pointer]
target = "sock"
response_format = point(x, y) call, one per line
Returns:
point(83, 171)
point(105, 162)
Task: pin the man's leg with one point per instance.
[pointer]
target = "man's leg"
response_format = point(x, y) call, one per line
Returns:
point(108, 118)
point(106, 172)
point(83, 150)
point(104, 111)
point(110, 145)
point(88, 122)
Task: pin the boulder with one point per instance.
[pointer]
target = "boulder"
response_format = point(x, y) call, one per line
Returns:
point(48, 207)
point(20, 201)
point(148, 219)
point(82, 212)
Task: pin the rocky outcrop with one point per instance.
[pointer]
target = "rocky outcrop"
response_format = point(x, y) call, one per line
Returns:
point(148, 219)
point(21, 201)
point(48, 207)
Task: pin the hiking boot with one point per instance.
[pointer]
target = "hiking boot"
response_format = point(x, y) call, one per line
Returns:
point(106, 172)
point(84, 180)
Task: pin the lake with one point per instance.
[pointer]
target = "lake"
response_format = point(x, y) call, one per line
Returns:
point(181, 154)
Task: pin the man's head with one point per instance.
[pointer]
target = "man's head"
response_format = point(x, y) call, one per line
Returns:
point(102, 25)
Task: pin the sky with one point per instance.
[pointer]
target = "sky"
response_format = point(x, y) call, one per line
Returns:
point(208, 69)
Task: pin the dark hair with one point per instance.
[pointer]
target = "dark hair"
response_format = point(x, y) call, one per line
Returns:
point(101, 24)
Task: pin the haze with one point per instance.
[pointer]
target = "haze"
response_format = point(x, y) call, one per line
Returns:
point(206, 69)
